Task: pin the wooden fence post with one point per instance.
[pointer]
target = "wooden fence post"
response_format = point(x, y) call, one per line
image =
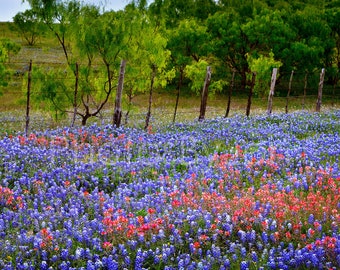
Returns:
point(28, 105)
point(75, 95)
point(117, 117)
point(271, 92)
point(289, 89)
point(253, 78)
point(231, 87)
point(318, 102)
point(205, 94)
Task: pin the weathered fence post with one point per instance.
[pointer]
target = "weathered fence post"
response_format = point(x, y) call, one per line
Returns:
point(253, 78)
point(117, 117)
point(28, 105)
point(271, 92)
point(204, 98)
point(289, 89)
point(231, 87)
point(305, 91)
point(318, 102)
point(75, 95)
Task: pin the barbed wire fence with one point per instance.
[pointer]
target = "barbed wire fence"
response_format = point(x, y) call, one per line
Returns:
point(299, 90)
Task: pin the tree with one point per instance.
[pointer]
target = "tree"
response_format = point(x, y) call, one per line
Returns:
point(106, 39)
point(311, 47)
point(147, 57)
point(268, 32)
point(28, 24)
point(58, 16)
point(229, 42)
point(332, 16)
point(83, 32)
point(187, 43)
point(156, 61)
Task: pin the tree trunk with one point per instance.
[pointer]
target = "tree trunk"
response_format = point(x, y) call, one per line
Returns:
point(75, 95)
point(289, 89)
point(148, 115)
point(87, 114)
point(271, 92)
point(28, 105)
point(251, 88)
point(229, 94)
point(84, 119)
point(117, 117)
point(244, 80)
point(318, 102)
point(178, 93)
point(205, 94)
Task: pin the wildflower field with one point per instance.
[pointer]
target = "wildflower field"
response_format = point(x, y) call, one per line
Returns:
point(237, 193)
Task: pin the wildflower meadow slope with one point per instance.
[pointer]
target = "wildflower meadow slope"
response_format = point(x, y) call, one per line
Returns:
point(237, 193)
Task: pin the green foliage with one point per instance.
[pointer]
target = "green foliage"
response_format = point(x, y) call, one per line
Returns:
point(312, 46)
point(229, 42)
point(217, 86)
point(10, 47)
point(146, 54)
point(196, 73)
point(50, 92)
point(268, 31)
point(28, 25)
point(7, 48)
point(263, 65)
point(172, 12)
point(106, 37)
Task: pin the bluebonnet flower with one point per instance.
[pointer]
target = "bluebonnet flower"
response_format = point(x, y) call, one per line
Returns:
point(244, 265)
point(43, 265)
point(64, 265)
point(243, 252)
point(251, 236)
point(254, 256)
point(264, 237)
point(242, 235)
point(90, 265)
